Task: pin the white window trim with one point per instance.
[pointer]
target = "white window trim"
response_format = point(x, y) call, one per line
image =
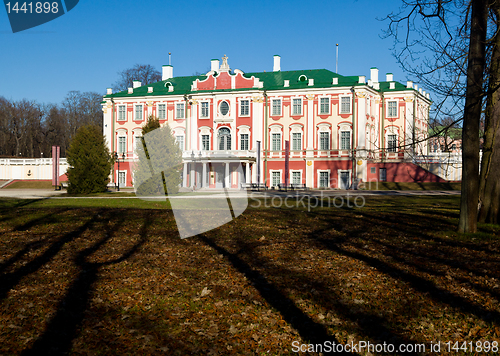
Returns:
point(338, 176)
point(291, 175)
point(387, 101)
point(158, 110)
point(183, 111)
point(208, 109)
point(301, 140)
point(340, 104)
point(329, 105)
point(271, 140)
point(229, 108)
point(339, 137)
point(271, 176)
point(281, 106)
point(301, 106)
point(142, 111)
point(118, 177)
point(319, 178)
point(118, 112)
point(387, 134)
point(205, 130)
point(240, 106)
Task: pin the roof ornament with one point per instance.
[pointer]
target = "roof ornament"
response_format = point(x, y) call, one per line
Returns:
point(224, 66)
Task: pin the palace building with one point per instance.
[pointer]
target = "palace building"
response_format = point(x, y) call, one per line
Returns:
point(335, 129)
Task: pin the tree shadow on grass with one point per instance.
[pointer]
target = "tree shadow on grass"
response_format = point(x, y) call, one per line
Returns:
point(10, 280)
point(309, 330)
point(63, 328)
point(420, 284)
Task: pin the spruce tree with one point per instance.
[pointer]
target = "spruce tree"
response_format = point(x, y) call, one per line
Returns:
point(89, 160)
point(158, 170)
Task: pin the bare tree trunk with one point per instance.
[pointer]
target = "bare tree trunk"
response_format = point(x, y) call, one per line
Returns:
point(489, 183)
point(472, 115)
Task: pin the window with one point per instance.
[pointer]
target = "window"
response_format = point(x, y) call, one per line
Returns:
point(162, 113)
point(121, 178)
point(382, 174)
point(224, 108)
point(244, 107)
point(244, 142)
point(205, 142)
point(296, 141)
point(344, 180)
point(180, 141)
point(121, 112)
point(324, 106)
point(345, 140)
point(324, 179)
point(345, 105)
point(392, 109)
point(372, 170)
point(179, 111)
point(276, 178)
point(392, 143)
point(324, 140)
point(296, 178)
point(276, 142)
point(224, 139)
point(138, 112)
point(122, 144)
point(276, 107)
point(204, 109)
point(296, 106)
point(138, 143)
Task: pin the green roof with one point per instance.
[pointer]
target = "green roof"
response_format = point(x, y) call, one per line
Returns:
point(272, 81)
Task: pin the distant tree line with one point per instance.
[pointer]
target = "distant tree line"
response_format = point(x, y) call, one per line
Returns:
point(30, 129)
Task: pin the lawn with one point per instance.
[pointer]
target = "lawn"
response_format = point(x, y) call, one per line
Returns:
point(108, 280)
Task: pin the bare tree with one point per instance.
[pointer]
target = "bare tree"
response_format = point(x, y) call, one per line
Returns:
point(450, 35)
point(145, 73)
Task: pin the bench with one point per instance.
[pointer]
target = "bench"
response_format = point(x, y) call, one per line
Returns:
point(253, 186)
point(299, 187)
point(63, 185)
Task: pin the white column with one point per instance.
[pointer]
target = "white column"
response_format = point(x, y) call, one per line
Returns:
point(227, 178)
point(204, 175)
point(192, 175)
point(247, 173)
point(184, 175)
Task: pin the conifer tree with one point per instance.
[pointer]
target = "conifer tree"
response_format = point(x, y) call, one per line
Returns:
point(89, 160)
point(158, 170)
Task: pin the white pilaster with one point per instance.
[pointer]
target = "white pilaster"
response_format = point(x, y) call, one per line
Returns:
point(184, 174)
point(247, 173)
point(204, 175)
point(226, 176)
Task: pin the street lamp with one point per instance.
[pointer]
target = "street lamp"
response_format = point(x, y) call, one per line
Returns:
point(117, 159)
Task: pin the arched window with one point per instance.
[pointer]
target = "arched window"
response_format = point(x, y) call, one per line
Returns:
point(224, 139)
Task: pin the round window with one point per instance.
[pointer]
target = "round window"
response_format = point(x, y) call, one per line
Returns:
point(224, 108)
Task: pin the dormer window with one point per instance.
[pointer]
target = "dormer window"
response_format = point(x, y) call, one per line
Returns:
point(302, 78)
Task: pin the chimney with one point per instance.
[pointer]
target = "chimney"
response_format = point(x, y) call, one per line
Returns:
point(361, 79)
point(409, 84)
point(286, 83)
point(136, 84)
point(167, 72)
point(374, 75)
point(311, 82)
point(150, 89)
point(389, 77)
point(392, 85)
point(335, 81)
point(214, 67)
point(109, 91)
point(277, 63)
point(130, 90)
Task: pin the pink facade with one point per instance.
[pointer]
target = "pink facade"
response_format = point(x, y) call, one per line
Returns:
point(339, 128)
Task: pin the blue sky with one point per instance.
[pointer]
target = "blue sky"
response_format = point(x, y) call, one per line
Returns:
point(84, 49)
